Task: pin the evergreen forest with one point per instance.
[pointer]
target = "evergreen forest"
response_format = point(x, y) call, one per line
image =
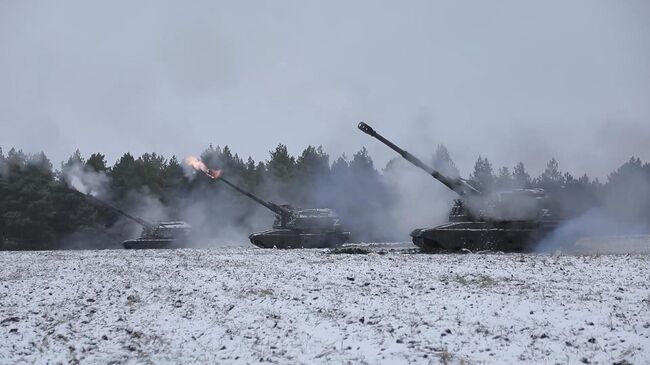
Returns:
point(39, 210)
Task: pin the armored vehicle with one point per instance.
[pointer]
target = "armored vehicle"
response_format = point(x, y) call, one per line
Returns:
point(169, 234)
point(173, 234)
point(511, 221)
point(293, 228)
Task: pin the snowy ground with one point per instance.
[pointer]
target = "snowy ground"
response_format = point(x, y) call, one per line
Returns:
point(245, 305)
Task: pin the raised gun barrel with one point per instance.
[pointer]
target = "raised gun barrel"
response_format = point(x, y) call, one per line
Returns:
point(285, 213)
point(460, 186)
point(97, 202)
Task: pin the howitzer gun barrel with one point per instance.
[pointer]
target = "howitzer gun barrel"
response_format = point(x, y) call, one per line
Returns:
point(460, 186)
point(269, 205)
point(101, 203)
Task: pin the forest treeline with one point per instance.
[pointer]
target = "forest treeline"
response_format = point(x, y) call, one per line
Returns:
point(38, 209)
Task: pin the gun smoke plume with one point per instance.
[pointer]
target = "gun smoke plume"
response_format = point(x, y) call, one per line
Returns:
point(607, 227)
point(87, 181)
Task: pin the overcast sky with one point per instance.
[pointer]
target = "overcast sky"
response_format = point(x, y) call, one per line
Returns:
point(511, 80)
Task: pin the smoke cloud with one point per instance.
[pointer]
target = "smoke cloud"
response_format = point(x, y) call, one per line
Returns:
point(87, 181)
point(610, 226)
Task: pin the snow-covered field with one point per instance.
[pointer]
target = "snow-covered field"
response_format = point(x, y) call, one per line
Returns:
point(245, 305)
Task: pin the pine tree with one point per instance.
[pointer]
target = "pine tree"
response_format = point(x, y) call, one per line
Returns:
point(123, 175)
point(313, 163)
point(150, 169)
point(260, 173)
point(630, 168)
point(27, 206)
point(360, 197)
point(521, 178)
point(552, 177)
point(97, 162)
point(250, 177)
point(175, 184)
point(362, 164)
point(231, 165)
point(483, 177)
point(391, 165)
point(340, 167)
point(443, 163)
point(3, 194)
point(74, 161)
point(504, 179)
point(312, 175)
point(211, 156)
point(3, 164)
point(281, 166)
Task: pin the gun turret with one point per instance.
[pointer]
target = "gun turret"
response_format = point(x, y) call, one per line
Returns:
point(102, 204)
point(460, 186)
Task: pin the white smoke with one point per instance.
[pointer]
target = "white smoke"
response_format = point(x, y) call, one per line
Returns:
point(419, 200)
point(86, 180)
point(596, 231)
point(620, 214)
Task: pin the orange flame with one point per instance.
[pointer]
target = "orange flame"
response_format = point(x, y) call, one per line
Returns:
point(198, 165)
point(215, 174)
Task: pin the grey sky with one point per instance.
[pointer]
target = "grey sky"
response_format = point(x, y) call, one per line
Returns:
point(507, 79)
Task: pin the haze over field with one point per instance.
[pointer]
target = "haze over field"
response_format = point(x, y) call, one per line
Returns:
point(510, 80)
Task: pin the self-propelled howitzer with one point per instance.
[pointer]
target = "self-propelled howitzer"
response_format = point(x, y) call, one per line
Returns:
point(172, 234)
point(295, 228)
point(513, 220)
